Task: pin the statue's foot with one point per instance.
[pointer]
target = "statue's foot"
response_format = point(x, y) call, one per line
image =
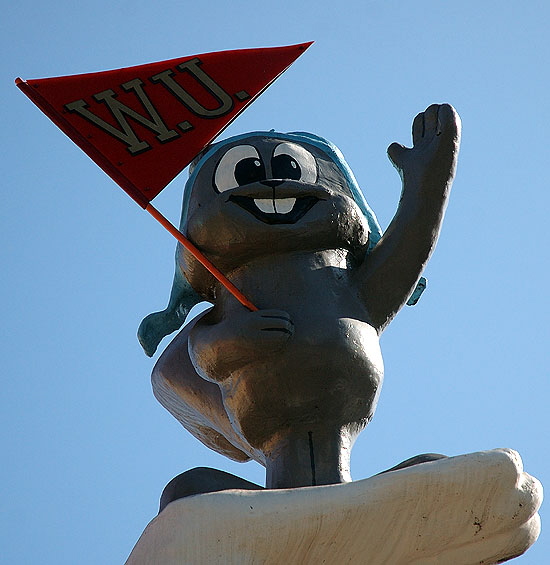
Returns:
point(200, 481)
point(416, 460)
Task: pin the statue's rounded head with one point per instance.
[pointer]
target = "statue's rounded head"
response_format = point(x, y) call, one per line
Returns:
point(267, 192)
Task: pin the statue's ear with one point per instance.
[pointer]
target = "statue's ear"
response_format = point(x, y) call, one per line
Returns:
point(158, 325)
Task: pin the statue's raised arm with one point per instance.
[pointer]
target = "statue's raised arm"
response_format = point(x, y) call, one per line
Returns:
point(393, 268)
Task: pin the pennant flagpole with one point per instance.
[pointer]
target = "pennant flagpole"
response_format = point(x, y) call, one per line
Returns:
point(142, 125)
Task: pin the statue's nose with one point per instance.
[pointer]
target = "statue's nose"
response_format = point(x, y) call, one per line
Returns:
point(272, 183)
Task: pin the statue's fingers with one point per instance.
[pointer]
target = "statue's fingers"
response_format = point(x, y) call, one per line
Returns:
point(449, 121)
point(396, 151)
point(418, 128)
point(277, 314)
point(431, 120)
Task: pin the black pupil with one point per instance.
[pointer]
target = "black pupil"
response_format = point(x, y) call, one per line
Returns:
point(249, 170)
point(285, 167)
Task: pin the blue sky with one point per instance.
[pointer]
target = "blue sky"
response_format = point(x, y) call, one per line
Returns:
point(86, 447)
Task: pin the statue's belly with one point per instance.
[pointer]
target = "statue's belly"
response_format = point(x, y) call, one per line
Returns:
point(330, 373)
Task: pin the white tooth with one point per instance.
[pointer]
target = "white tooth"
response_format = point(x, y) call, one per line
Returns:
point(265, 205)
point(284, 205)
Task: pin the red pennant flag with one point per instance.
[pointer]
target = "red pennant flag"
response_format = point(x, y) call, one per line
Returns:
point(143, 125)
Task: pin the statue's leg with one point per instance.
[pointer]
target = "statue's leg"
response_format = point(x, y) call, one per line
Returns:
point(417, 459)
point(200, 481)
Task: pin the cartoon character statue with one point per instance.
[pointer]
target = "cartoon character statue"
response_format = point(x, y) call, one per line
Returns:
point(292, 384)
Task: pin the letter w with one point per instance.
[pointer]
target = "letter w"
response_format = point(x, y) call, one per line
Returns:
point(119, 111)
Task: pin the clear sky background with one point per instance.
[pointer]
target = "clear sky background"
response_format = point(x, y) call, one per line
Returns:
point(86, 449)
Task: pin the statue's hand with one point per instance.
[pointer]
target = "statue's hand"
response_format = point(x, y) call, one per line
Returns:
point(436, 139)
point(216, 350)
point(264, 329)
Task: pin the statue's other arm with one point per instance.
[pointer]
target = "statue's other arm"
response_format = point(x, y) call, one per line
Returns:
point(392, 269)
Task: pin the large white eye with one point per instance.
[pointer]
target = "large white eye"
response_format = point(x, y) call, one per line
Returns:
point(294, 162)
point(239, 166)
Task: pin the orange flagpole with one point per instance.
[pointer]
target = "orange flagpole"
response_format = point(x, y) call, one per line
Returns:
point(201, 258)
point(237, 78)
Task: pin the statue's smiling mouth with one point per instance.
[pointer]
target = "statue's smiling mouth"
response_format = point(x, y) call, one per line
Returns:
point(276, 210)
